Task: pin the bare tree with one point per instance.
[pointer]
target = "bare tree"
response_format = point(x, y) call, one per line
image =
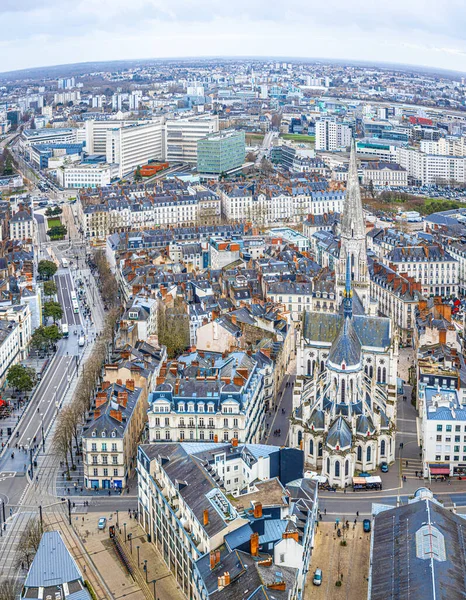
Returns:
point(9, 589)
point(29, 543)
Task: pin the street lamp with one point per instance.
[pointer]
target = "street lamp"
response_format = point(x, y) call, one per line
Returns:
point(137, 548)
point(117, 519)
point(130, 537)
point(145, 568)
point(124, 525)
point(154, 581)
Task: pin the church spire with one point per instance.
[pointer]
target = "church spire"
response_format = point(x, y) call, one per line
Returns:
point(348, 293)
point(352, 226)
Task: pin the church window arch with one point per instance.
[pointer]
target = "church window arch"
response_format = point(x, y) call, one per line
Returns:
point(343, 391)
point(351, 389)
point(382, 448)
point(379, 374)
point(359, 453)
point(368, 454)
point(300, 437)
point(384, 375)
point(328, 466)
point(371, 371)
point(322, 366)
point(309, 367)
point(337, 468)
point(366, 369)
point(311, 447)
point(320, 450)
point(346, 468)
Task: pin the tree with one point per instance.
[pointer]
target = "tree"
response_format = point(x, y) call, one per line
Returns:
point(8, 166)
point(173, 329)
point(47, 269)
point(57, 232)
point(250, 157)
point(9, 589)
point(266, 166)
point(52, 334)
point(29, 542)
point(137, 174)
point(20, 377)
point(53, 309)
point(50, 288)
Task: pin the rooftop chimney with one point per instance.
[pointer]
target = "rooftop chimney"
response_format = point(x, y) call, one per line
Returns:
point(257, 510)
point(254, 544)
point(206, 517)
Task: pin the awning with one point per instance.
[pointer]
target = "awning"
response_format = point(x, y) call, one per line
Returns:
point(439, 470)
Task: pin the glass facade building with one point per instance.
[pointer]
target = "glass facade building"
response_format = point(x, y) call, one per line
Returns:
point(221, 152)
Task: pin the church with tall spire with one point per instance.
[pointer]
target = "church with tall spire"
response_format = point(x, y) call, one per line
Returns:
point(353, 239)
point(344, 398)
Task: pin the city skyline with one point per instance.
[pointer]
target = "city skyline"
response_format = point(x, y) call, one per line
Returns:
point(392, 32)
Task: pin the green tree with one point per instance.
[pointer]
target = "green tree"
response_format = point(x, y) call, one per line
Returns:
point(53, 309)
point(137, 174)
point(57, 232)
point(8, 167)
point(50, 288)
point(53, 333)
point(21, 378)
point(47, 269)
point(29, 542)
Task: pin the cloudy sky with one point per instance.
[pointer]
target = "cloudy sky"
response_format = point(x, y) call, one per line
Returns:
point(49, 32)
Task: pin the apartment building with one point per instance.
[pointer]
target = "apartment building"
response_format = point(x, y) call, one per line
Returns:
point(86, 175)
point(134, 145)
point(445, 146)
point(182, 136)
point(110, 437)
point(208, 534)
point(296, 297)
point(10, 347)
point(432, 168)
point(241, 203)
point(22, 226)
point(397, 297)
point(332, 135)
point(432, 266)
point(22, 316)
point(207, 396)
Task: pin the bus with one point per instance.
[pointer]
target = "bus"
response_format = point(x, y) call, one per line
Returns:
point(74, 302)
point(64, 262)
point(64, 329)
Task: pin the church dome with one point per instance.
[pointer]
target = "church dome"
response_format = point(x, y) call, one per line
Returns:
point(345, 353)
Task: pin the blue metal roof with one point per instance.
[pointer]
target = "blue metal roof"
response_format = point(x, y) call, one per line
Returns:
point(239, 536)
point(53, 564)
point(273, 530)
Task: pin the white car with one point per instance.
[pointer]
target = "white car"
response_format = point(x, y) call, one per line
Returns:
point(81, 341)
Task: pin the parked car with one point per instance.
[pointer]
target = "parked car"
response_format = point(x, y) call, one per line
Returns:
point(384, 467)
point(366, 525)
point(102, 523)
point(317, 577)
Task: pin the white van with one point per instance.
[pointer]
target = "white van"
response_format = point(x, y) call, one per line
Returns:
point(81, 340)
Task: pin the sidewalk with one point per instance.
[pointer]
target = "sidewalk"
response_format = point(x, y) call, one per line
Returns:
point(100, 548)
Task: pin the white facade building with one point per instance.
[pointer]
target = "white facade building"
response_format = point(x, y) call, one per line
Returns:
point(134, 145)
point(22, 226)
point(86, 175)
point(182, 135)
point(432, 168)
point(332, 135)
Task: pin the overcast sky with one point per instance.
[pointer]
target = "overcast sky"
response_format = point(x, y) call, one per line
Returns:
point(50, 32)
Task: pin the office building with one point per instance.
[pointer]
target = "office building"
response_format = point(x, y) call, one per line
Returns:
point(86, 175)
point(134, 145)
point(182, 135)
point(221, 152)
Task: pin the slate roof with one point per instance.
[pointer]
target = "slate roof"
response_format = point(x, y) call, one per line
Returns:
point(346, 347)
point(406, 565)
point(339, 434)
point(324, 328)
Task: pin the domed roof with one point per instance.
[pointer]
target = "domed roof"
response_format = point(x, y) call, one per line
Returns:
point(345, 353)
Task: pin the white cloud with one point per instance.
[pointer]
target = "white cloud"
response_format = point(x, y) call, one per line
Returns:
point(413, 31)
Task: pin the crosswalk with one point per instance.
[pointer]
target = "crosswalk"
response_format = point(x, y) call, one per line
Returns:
point(411, 466)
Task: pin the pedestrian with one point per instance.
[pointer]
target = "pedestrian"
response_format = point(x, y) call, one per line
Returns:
point(357, 513)
point(416, 473)
point(325, 511)
point(406, 463)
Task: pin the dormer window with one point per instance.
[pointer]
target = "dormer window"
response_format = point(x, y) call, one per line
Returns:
point(200, 407)
point(191, 407)
point(94, 434)
point(181, 407)
point(113, 434)
point(103, 434)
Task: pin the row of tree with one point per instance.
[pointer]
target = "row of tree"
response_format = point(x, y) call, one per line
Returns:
point(73, 416)
point(107, 283)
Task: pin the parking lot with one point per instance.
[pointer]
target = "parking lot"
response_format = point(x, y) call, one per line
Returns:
point(348, 564)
